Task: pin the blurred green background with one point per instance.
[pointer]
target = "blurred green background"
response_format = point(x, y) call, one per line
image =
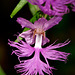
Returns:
point(8, 27)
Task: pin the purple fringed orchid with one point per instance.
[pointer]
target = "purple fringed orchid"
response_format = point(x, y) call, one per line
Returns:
point(39, 27)
point(54, 7)
point(35, 65)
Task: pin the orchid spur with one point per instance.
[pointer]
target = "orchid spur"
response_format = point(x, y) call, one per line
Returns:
point(39, 27)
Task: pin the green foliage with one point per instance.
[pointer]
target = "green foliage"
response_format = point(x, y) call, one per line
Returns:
point(18, 7)
point(38, 15)
point(33, 8)
point(1, 71)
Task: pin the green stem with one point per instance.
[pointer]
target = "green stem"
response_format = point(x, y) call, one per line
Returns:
point(45, 16)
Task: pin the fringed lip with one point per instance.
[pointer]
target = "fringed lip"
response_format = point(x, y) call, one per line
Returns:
point(35, 64)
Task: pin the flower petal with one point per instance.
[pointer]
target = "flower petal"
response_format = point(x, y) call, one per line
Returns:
point(58, 45)
point(52, 54)
point(52, 22)
point(25, 23)
point(44, 41)
point(41, 1)
point(28, 36)
point(33, 66)
point(35, 2)
point(40, 23)
point(60, 8)
point(64, 1)
point(23, 49)
point(54, 7)
point(73, 7)
point(55, 55)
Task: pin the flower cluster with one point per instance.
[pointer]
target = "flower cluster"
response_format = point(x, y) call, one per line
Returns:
point(36, 36)
point(54, 7)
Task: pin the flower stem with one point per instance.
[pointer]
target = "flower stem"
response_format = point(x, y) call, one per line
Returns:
point(45, 16)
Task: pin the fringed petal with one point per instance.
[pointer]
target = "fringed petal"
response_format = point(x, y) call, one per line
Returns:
point(60, 9)
point(52, 54)
point(23, 49)
point(55, 55)
point(58, 45)
point(54, 7)
point(35, 2)
point(34, 66)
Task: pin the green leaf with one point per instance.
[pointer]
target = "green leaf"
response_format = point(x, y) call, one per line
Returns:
point(1, 71)
point(25, 29)
point(33, 8)
point(38, 15)
point(18, 7)
point(33, 19)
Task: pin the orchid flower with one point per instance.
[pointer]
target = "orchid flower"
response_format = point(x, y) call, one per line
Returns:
point(35, 65)
point(54, 7)
point(39, 27)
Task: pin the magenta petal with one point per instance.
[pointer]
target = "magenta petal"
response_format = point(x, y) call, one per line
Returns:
point(40, 23)
point(23, 49)
point(34, 66)
point(73, 6)
point(64, 1)
point(30, 67)
point(54, 7)
point(41, 1)
point(60, 8)
point(28, 36)
point(25, 23)
point(55, 55)
point(35, 2)
point(52, 54)
point(46, 40)
point(58, 45)
point(52, 22)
